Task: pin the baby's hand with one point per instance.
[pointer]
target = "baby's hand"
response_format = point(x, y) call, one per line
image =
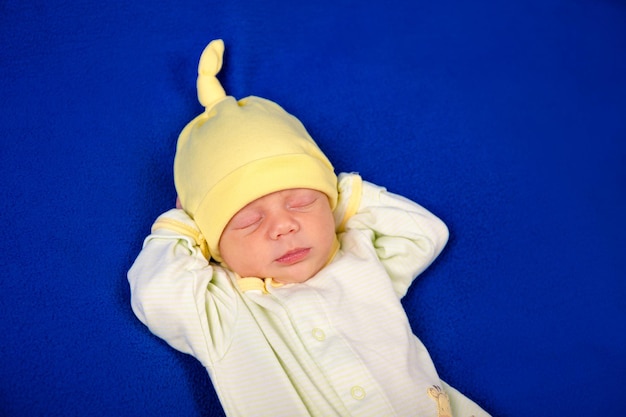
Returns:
point(349, 199)
point(178, 205)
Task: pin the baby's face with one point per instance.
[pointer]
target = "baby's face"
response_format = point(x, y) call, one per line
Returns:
point(287, 235)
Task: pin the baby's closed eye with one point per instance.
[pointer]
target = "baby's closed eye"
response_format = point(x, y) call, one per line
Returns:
point(302, 203)
point(245, 220)
point(302, 199)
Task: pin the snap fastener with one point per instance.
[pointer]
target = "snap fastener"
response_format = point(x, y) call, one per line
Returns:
point(319, 334)
point(358, 393)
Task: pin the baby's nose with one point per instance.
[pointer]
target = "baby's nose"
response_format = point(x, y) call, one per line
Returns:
point(283, 225)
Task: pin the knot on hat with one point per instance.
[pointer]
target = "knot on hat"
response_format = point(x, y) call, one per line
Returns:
point(210, 91)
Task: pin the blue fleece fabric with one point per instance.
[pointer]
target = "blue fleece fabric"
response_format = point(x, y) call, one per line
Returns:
point(505, 118)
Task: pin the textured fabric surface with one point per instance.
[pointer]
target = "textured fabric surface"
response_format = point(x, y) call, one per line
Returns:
point(506, 119)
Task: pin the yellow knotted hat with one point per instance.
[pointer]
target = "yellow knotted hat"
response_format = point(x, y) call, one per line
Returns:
point(238, 151)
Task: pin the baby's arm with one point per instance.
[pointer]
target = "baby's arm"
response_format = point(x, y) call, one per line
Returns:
point(407, 238)
point(177, 293)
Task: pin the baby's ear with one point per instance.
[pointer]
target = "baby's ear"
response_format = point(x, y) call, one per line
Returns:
point(349, 186)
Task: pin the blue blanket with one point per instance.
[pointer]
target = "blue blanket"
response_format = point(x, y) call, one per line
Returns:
point(506, 119)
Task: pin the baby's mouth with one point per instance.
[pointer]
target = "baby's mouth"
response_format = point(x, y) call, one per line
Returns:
point(293, 256)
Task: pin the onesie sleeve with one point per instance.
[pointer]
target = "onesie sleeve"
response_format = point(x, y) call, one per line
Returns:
point(178, 294)
point(406, 237)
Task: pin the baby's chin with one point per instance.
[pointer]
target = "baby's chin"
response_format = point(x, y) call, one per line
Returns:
point(296, 275)
point(292, 279)
point(288, 274)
